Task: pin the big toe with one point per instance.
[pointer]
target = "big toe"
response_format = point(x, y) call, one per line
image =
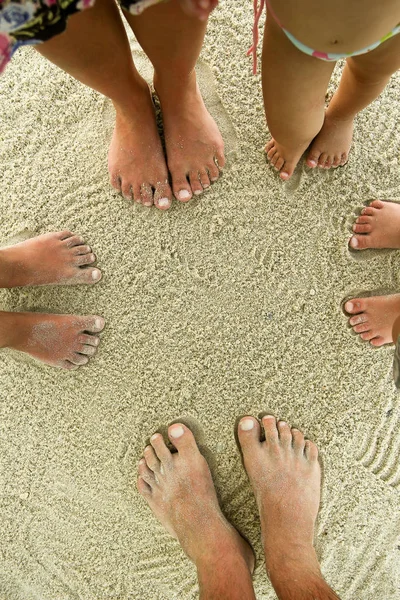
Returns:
point(360, 242)
point(313, 158)
point(183, 439)
point(248, 434)
point(93, 324)
point(354, 306)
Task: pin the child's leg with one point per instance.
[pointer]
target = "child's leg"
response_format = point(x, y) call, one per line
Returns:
point(173, 40)
point(364, 77)
point(294, 87)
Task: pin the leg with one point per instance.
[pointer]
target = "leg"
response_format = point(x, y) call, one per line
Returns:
point(63, 341)
point(378, 226)
point(294, 87)
point(285, 475)
point(60, 258)
point(364, 77)
point(374, 318)
point(180, 492)
point(172, 40)
point(95, 50)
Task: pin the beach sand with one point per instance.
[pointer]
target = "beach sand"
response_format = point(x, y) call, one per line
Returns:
point(226, 306)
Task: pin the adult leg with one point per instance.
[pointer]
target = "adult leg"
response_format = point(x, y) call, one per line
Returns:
point(172, 40)
point(95, 50)
point(364, 77)
point(179, 490)
point(286, 479)
point(294, 87)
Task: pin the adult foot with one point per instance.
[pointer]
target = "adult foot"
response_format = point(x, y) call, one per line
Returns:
point(179, 490)
point(136, 159)
point(63, 341)
point(283, 159)
point(60, 258)
point(194, 145)
point(373, 318)
point(285, 476)
point(331, 146)
point(378, 226)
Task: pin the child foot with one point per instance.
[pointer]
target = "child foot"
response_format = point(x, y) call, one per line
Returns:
point(63, 341)
point(377, 227)
point(179, 490)
point(285, 476)
point(331, 146)
point(194, 145)
point(136, 159)
point(283, 159)
point(373, 318)
point(60, 258)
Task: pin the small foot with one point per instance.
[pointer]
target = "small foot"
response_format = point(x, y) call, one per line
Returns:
point(378, 226)
point(283, 159)
point(331, 146)
point(373, 318)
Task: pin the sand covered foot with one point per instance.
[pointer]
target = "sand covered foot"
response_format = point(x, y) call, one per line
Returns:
point(283, 159)
point(285, 476)
point(179, 490)
point(378, 226)
point(331, 146)
point(373, 318)
point(136, 161)
point(60, 258)
point(63, 341)
point(194, 145)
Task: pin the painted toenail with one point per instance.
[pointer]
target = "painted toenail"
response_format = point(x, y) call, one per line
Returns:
point(349, 306)
point(163, 202)
point(147, 204)
point(184, 195)
point(246, 424)
point(98, 323)
point(312, 163)
point(96, 274)
point(282, 423)
point(177, 432)
point(354, 242)
point(197, 192)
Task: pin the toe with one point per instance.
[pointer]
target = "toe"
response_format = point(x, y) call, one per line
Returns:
point(298, 441)
point(368, 335)
point(213, 171)
point(377, 342)
point(81, 250)
point(310, 451)
point(151, 459)
point(249, 433)
point(359, 319)
point(336, 161)
point(195, 183)
point(271, 153)
point(115, 181)
point(368, 210)
point(312, 159)
point(63, 235)
point(126, 190)
point(74, 240)
point(270, 429)
point(90, 340)
point(364, 220)
point(322, 160)
point(285, 434)
point(145, 473)
point(362, 228)
point(68, 366)
point(343, 159)
point(89, 275)
point(279, 164)
point(219, 159)
point(93, 324)
point(359, 242)
point(204, 179)
point(182, 438)
point(268, 146)
point(355, 306)
point(328, 163)
point(377, 204)
point(287, 170)
point(143, 488)
point(87, 350)
point(181, 188)
point(84, 259)
point(160, 449)
point(78, 359)
point(163, 196)
point(362, 328)
point(146, 194)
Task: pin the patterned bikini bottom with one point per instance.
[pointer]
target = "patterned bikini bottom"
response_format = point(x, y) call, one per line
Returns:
point(30, 22)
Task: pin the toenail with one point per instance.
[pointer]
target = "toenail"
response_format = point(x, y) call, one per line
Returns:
point(282, 423)
point(349, 306)
point(246, 424)
point(154, 437)
point(177, 431)
point(163, 202)
point(98, 323)
point(96, 341)
point(147, 204)
point(312, 163)
point(197, 192)
point(354, 242)
point(184, 195)
point(96, 274)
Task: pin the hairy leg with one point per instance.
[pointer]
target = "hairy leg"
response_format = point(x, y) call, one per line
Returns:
point(364, 78)
point(294, 87)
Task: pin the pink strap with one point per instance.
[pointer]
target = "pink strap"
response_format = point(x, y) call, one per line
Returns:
point(253, 49)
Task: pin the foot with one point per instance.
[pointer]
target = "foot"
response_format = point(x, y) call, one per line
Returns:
point(373, 318)
point(60, 258)
point(378, 226)
point(285, 476)
point(283, 159)
point(331, 146)
point(63, 341)
point(136, 159)
point(179, 490)
point(194, 145)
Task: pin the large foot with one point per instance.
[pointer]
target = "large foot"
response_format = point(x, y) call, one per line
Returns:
point(179, 490)
point(286, 479)
point(63, 341)
point(378, 226)
point(136, 159)
point(194, 145)
point(373, 318)
point(331, 146)
point(283, 159)
point(53, 258)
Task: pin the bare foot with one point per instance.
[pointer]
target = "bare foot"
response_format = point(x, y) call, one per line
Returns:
point(283, 159)
point(373, 318)
point(136, 159)
point(331, 146)
point(63, 341)
point(194, 146)
point(60, 258)
point(377, 227)
point(179, 490)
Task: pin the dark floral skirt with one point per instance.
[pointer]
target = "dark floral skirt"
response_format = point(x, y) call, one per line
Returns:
point(28, 22)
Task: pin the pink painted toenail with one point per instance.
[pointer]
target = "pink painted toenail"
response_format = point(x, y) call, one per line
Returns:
point(312, 163)
point(353, 242)
point(163, 202)
point(246, 424)
point(96, 274)
point(177, 432)
point(349, 306)
point(184, 195)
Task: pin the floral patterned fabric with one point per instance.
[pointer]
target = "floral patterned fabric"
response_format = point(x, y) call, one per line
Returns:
point(29, 22)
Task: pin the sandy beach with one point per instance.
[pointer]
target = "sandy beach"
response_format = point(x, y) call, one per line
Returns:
point(226, 306)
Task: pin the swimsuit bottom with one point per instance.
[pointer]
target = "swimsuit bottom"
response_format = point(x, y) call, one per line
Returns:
point(30, 22)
